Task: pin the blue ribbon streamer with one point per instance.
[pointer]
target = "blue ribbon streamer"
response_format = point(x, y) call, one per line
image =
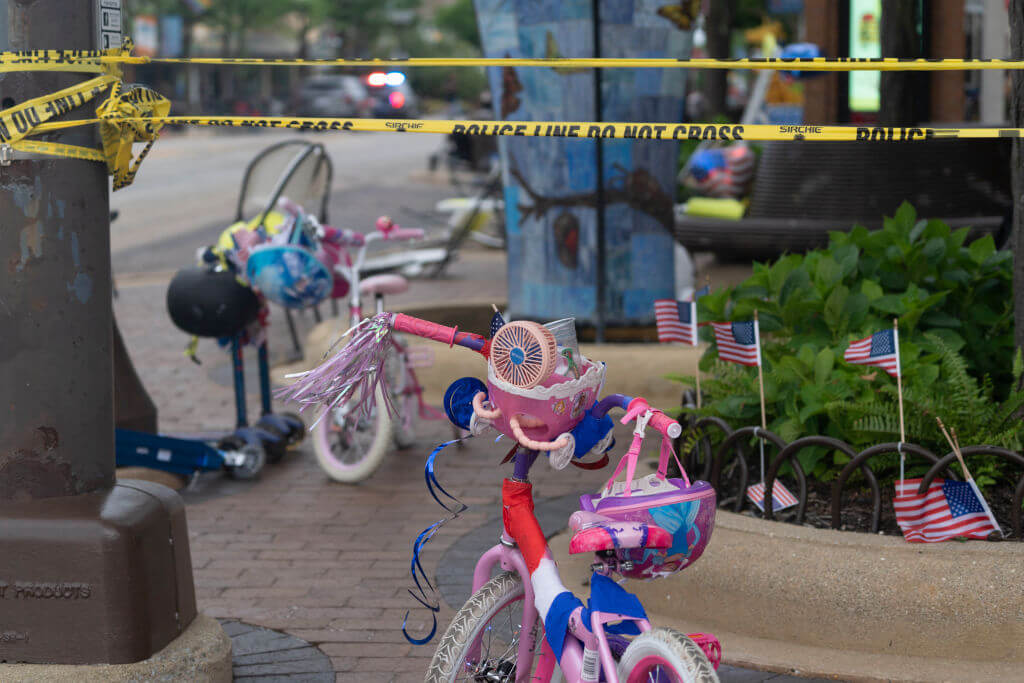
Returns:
point(415, 566)
point(432, 483)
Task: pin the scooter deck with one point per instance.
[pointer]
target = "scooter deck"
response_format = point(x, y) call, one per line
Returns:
point(179, 456)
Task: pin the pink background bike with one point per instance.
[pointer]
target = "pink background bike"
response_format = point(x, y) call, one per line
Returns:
point(350, 443)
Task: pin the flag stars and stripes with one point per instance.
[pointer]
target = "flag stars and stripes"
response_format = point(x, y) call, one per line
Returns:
point(948, 509)
point(878, 349)
point(676, 321)
point(782, 497)
point(737, 342)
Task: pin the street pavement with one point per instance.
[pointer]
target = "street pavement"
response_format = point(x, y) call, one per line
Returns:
point(193, 180)
point(293, 552)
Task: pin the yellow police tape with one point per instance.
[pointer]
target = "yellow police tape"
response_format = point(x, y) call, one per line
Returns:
point(586, 129)
point(61, 150)
point(94, 60)
point(766, 63)
point(80, 61)
point(69, 61)
point(125, 116)
point(138, 113)
point(130, 116)
point(23, 119)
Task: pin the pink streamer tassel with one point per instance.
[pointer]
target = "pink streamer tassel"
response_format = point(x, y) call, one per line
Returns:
point(355, 370)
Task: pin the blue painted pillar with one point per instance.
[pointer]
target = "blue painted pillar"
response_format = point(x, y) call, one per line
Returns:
point(551, 184)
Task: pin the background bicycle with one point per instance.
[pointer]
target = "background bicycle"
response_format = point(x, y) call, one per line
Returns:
point(351, 443)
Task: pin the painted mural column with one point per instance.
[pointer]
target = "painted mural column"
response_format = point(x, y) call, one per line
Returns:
point(551, 184)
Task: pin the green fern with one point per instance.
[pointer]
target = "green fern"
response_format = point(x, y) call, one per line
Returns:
point(957, 398)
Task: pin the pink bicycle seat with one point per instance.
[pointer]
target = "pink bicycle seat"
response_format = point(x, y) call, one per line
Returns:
point(594, 532)
point(383, 284)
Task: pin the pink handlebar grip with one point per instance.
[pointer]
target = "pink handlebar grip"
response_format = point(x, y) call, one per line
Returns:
point(659, 420)
point(665, 424)
point(404, 234)
point(442, 333)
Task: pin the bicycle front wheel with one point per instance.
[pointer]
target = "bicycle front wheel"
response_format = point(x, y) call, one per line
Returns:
point(351, 447)
point(482, 642)
point(664, 655)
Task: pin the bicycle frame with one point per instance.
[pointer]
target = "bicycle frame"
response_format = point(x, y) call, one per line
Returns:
point(586, 645)
point(508, 557)
point(351, 269)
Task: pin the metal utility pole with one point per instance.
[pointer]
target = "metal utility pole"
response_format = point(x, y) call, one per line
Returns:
point(1017, 187)
point(90, 571)
point(601, 279)
point(57, 435)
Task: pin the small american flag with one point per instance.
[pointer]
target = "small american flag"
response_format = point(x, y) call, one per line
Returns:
point(948, 509)
point(881, 349)
point(738, 342)
point(497, 322)
point(677, 321)
point(703, 291)
point(781, 496)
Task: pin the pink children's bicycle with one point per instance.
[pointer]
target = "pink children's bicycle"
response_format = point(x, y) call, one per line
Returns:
point(523, 624)
point(350, 443)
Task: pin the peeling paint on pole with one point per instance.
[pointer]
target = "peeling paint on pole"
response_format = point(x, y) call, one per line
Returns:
point(56, 373)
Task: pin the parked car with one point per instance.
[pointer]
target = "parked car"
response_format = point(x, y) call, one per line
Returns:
point(391, 95)
point(336, 95)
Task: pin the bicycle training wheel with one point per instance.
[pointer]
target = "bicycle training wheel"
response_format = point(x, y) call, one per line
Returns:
point(482, 642)
point(350, 447)
point(664, 655)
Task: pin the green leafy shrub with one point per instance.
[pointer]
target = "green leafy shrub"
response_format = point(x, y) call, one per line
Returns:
point(954, 304)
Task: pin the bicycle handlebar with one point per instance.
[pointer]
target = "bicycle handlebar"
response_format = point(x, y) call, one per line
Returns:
point(442, 333)
point(398, 233)
point(392, 231)
point(610, 401)
point(665, 424)
point(343, 238)
point(635, 407)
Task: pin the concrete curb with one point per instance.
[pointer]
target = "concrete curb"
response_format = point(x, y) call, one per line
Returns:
point(201, 653)
point(844, 605)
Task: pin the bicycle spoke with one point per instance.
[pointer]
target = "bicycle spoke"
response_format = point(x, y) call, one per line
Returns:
point(498, 647)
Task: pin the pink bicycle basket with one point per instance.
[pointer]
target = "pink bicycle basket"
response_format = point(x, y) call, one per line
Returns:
point(549, 409)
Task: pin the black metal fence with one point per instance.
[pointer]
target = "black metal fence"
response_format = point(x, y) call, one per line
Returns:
point(726, 466)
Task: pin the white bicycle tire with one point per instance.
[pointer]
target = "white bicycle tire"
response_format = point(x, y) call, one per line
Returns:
point(681, 654)
point(371, 455)
point(469, 621)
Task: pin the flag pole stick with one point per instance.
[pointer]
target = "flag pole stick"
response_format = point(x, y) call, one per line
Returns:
point(760, 376)
point(955, 448)
point(899, 392)
point(954, 442)
point(696, 372)
point(707, 282)
point(760, 385)
point(697, 375)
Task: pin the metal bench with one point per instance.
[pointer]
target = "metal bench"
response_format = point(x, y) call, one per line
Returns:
point(804, 190)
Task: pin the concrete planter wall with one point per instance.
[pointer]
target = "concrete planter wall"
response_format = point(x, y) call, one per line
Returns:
point(852, 605)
